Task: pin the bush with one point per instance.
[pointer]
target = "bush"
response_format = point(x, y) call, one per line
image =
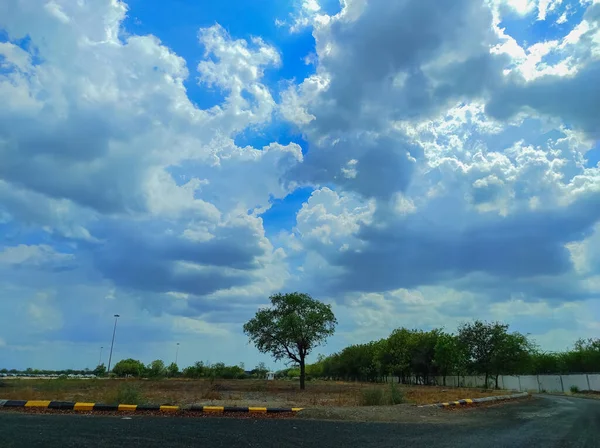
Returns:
point(396, 396)
point(574, 390)
point(381, 397)
point(128, 394)
point(372, 397)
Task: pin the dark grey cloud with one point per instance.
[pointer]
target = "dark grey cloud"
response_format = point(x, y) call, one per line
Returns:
point(412, 252)
point(378, 67)
point(145, 258)
point(575, 99)
point(373, 166)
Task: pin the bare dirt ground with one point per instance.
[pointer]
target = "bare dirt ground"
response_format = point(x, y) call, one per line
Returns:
point(329, 394)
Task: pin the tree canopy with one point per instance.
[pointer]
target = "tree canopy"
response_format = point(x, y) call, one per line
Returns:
point(293, 325)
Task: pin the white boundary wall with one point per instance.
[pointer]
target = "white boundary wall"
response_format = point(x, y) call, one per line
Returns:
point(522, 383)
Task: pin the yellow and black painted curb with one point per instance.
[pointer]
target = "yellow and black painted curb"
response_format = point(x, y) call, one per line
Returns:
point(78, 406)
point(468, 401)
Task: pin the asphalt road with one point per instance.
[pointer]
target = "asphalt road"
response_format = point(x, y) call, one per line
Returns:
point(541, 422)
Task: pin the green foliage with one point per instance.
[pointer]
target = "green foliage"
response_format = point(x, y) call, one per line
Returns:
point(377, 396)
point(198, 370)
point(372, 397)
point(131, 367)
point(484, 342)
point(574, 389)
point(172, 370)
point(293, 373)
point(156, 369)
point(395, 394)
point(293, 325)
point(260, 371)
point(450, 357)
point(585, 356)
point(100, 370)
point(128, 393)
point(218, 370)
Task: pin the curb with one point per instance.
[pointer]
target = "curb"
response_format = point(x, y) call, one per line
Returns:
point(468, 401)
point(77, 406)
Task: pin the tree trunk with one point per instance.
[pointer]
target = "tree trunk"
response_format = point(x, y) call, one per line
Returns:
point(302, 374)
point(486, 379)
point(497, 375)
point(444, 380)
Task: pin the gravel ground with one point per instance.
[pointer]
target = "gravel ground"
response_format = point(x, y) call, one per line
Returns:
point(399, 413)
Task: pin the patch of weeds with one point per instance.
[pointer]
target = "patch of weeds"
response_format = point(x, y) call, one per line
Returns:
point(372, 397)
point(395, 394)
point(128, 394)
point(574, 389)
point(381, 396)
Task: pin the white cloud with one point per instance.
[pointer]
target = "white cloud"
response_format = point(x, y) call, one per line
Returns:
point(34, 256)
point(448, 165)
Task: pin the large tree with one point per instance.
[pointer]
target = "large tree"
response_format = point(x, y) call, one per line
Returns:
point(293, 325)
point(484, 342)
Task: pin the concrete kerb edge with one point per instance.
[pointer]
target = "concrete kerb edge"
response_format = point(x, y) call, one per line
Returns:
point(80, 406)
point(468, 401)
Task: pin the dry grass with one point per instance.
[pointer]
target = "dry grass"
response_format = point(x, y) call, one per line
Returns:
point(225, 392)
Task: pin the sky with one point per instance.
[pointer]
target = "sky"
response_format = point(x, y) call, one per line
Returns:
point(413, 163)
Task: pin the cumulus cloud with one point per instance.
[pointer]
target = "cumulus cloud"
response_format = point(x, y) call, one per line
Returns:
point(448, 163)
point(101, 148)
point(488, 192)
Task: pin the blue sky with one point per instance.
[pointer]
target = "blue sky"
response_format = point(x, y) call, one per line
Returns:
point(411, 163)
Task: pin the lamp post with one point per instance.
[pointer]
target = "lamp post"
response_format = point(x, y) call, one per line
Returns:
point(112, 343)
point(100, 360)
point(177, 353)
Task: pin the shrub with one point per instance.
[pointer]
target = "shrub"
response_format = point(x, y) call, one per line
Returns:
point(128, 394)
point(574, 390)
point(396, 396)
point(377, 396)
point(372, 397)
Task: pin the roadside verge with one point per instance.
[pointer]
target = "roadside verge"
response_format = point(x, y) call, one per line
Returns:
point(468, 401)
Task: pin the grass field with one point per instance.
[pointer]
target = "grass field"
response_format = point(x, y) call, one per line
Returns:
point(231, 392)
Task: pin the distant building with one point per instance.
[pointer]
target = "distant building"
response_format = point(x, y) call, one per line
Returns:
point(270, 375)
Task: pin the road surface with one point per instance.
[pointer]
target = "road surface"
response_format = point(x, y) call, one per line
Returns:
point(542, 422)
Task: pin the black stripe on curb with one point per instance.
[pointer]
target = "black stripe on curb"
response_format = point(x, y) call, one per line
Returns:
point(15, 403)
point(67, 405)
point(234, 409)
point(148, 407)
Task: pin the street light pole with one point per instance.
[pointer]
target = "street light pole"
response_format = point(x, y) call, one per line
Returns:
point(112, 343)
point(100, 360)
point(177, 353)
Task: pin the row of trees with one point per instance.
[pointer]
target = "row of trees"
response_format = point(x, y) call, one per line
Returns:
point(479, 348)
point(157, 369)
